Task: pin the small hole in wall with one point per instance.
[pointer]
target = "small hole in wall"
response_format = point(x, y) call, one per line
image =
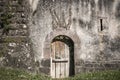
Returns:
point(74, 20)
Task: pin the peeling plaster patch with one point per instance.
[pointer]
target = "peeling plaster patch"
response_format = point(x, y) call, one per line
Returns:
point(113, 30)
point(19, 60)
point(86, 45)
point(12, 44)
point(11, 51)
point(37, 51)
point(83, 56)
point(2, 58)
point(83, 36)
point(96, 1)
point(24, 26)
point(90, 56)
point(116, 55)
point(29, 67)
point(86, 13)
point(28, 55)
point(33, 4)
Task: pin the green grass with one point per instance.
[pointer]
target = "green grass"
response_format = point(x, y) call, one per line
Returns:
point(102, 75)
point(10, 74)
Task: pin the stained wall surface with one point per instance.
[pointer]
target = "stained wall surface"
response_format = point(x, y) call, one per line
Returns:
point(93, 25)
point(95, 22)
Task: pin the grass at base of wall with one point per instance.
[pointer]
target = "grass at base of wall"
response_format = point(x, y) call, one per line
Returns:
point(13, 74)
point(101, 75)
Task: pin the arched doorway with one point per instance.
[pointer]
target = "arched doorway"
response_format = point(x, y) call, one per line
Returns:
point(62, 57)
point(51, 38)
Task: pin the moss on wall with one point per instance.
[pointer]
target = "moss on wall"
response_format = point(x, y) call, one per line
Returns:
point(3, 50)
point(5, 19)
point(17, 39)
point(14, 45)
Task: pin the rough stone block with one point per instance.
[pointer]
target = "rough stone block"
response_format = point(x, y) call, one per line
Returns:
point(45, 63)
point(45, 70)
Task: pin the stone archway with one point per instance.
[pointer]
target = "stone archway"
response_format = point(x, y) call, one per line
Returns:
point(47, 44)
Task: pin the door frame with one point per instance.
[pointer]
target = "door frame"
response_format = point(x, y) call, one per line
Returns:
point(74, 37)
point(69, 47)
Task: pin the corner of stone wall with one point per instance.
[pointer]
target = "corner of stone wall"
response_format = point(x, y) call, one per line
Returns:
point(15, 47)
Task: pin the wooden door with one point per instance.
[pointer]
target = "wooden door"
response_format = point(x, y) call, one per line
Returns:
point(59, 60)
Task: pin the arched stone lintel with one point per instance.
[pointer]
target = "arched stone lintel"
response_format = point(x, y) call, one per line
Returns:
point(53, 34)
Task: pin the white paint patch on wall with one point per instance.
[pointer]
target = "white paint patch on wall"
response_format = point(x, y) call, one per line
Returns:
point(33, 4)
point(85, 11)
point(96, 1)
point(113, 28)
point(113, 23)
point(115, 5)
point(87, 49)
point(38, 33)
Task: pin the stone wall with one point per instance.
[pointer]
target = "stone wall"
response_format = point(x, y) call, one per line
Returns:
point(95, 22)
point(29, 25)
point(14, 41)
